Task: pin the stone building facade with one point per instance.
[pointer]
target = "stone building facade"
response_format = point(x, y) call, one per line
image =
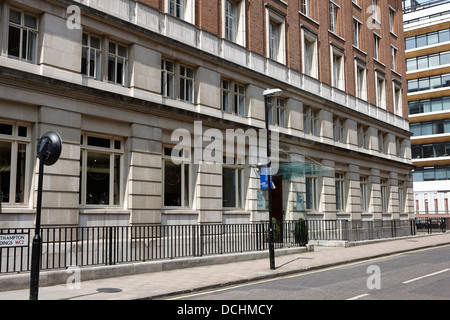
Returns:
point(116, 79)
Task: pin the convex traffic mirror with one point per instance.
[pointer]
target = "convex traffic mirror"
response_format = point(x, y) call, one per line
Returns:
point(49, 148)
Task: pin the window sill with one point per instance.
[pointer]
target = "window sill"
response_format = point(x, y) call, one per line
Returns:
point(110, 210)
point(177, 211)
point(238, 211)
point(396, 73)
point(309, 18)
point(16, 210)
point(379, 62)
point(357, 5)
point(336, 35)
point(359, 50)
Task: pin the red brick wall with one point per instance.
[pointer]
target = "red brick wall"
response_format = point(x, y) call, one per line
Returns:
point(208, 17)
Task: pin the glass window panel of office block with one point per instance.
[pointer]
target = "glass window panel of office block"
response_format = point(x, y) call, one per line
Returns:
point(427, 128)
point(445, 57)
point(410, 43)
point(432, 38)
point(411, 64)
point(414, 107)
point(436, 104)
point(425, 105)
point(415, 129)
point(424, 83)
point(413, 85)
point(446, 103)
point(445, 80)
point(428, 151)
point(422, 62)
point(418, 175)
point(439, 150)
point(435, 82)
point(438, 127)
point(441, 173)
point(428, 174)
point(416, 152)
point(433, 60)
point(421, 40)
point(444, 35)
point(447, 126)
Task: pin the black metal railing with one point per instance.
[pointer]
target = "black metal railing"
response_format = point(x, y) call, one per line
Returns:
point(432, 225)
point(63, 247)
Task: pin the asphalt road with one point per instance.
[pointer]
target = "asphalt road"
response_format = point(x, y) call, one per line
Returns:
point(418, 275)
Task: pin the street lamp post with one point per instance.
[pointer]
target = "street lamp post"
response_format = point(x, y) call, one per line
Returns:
point(48, 152)
point(269, 93)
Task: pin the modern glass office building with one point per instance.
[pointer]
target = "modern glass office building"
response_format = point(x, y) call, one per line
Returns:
point(427, 45)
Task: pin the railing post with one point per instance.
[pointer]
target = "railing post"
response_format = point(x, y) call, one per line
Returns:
point(110, 239)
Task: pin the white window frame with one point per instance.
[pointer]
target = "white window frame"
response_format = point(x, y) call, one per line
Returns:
point(360, 80)
point(339, 179)
point(401, 196)
point(311, 123)
point(311, 69)
point(376, 46)
point(187, 9)
point(15, 139)
point(275, 37)
point(233, 26)
point(384, 195)
point(363, 137)
point(305, 7)
point(392, 13)
point(116, 57)
point(380, 84)
point(31, 33)
point(339, 130)
point(238, 171)
point(185, 162)
point(167, 78)
point(314, 196)
point(277, 111)
point(233, 97)
point(97, 54)
point(399, 147)
point(112, 152)
point(393, 57)
point(337, 61)
point(364, 193)
point(186, 83)
point(357, 33)
point(333, 16)
point(398, 98)
point(376, 13)
point(382, 143)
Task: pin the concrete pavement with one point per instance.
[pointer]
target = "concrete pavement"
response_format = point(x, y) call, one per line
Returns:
point(164, 283)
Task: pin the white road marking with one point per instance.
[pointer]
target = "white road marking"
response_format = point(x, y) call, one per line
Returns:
point(426, 276)
point(360, 296)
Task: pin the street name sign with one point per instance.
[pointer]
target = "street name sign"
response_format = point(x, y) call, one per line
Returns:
point(14, 240)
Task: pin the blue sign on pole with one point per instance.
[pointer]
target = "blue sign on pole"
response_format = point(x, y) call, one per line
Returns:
point(264, 179)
